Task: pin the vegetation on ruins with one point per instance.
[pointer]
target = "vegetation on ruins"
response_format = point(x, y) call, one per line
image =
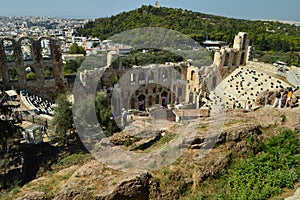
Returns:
point(272, 40)
point(30, 75)
point(12, 74)
point(48, 73)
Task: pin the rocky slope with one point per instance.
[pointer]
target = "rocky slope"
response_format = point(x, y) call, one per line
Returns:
point(94, 180)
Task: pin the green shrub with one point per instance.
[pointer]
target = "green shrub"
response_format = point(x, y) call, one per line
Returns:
point(127, 143)
point(31, 75)
point(73, 159)
point(263, 175)
point(266, 174)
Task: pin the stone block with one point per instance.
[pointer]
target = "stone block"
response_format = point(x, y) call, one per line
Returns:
point(204, 112)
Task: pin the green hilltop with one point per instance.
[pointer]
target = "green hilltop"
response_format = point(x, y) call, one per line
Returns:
point(265, 35)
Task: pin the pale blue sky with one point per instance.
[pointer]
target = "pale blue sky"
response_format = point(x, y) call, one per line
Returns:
point(245, 9)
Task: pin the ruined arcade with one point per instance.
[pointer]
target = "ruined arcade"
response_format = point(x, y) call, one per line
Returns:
point(33, 64)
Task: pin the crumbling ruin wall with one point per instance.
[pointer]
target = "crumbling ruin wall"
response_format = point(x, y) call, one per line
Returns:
point(196, 89)
point(227, 59)
point(17, 60)
point(137, 88)
point(143, 87)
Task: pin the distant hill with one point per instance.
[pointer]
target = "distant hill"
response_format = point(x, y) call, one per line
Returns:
point(264, 35)
point(272, 40)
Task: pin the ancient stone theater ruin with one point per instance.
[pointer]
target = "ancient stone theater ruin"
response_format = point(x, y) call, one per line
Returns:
point(141, 87)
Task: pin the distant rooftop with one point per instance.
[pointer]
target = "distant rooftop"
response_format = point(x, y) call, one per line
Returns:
point(212, 42)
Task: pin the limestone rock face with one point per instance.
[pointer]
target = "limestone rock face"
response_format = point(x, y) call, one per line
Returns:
point(92, 181)
point(295, 196)
point(130, 188)
point(34, 196)
point(95, 181)
point(135, 188)
point(268, 98)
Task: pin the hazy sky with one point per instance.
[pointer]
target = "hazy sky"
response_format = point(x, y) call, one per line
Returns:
point(245, 9)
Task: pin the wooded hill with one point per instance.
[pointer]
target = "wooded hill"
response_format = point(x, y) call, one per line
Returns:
point(267, 37)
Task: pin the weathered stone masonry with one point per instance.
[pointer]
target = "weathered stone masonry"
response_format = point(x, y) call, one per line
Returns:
point(143, 87)
point(19, 61)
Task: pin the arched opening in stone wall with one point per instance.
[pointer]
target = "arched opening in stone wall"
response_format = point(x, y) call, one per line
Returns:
point(27, 50)
point(214, 82)
point(9, 50)
point(142, 78)
point(150, 101)
point(30, 73)
point(179, 91)
point(157, 99)
point(192, 75)
point(191, 97)
point(242, 58)
point(132, 103)
point(235, 59)
point(244, 42)
point(151, 77)
point(48, 72)
point(154, 90)
point(150, 95)
point(46, 50)
point(164, 99)
point(226, 63)
point(142, 106)
point(12, 75)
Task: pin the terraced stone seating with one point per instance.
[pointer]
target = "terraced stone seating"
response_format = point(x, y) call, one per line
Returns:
point(36, 103)
point(243, 85)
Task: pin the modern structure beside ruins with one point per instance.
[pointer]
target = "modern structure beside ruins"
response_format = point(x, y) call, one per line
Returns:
point(36, 65)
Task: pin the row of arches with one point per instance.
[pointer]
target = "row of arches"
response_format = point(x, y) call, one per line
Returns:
point(142, 77)
point(147, 101)
point(25, 48)
point(236, 60)
point(24, 64)
point(30, 73)
point(150, 95)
